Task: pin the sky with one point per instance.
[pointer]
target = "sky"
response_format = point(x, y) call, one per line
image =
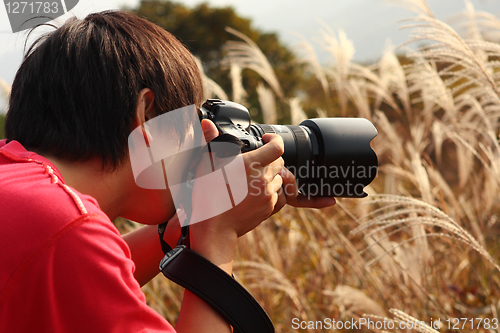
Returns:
point(370, 24)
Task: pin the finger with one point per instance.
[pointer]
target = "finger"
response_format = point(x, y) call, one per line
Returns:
point(275, 185)
point(311, 202)
point(272, 150)
point(209, 130)
point(274, 168)
point(289, 184)
point(280, 202)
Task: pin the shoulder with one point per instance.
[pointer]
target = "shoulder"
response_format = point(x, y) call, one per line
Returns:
point(37, 208)
point(65, 267)
point(33, 189)
point(82, 281)
point(36, 202)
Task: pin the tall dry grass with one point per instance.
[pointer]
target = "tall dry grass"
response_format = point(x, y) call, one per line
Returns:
point(424, 244)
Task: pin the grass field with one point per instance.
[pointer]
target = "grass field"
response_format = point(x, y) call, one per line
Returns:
point(425, 242)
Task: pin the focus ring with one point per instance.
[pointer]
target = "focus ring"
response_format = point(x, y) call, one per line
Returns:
point(304, 149)
point(267, 129)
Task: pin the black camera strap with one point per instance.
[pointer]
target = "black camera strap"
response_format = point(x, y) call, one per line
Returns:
point(210, 283)
point(213, 285)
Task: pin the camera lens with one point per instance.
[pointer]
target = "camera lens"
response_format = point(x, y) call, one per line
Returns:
point(328, 156)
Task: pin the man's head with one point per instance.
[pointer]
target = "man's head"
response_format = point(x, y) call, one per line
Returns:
point(75, 94)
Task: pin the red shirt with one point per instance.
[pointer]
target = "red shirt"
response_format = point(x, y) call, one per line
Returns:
point(63, 265)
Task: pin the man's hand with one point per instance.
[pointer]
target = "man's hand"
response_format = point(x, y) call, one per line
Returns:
point(263, 168)
point(215, 238)
point(289, 195)
point(300, 200)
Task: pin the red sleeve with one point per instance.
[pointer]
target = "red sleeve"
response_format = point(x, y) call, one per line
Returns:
point(81, 280)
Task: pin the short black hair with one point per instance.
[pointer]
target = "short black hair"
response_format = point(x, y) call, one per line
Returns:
point(75, 94)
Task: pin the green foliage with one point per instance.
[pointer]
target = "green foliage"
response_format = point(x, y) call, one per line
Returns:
point(202, 30)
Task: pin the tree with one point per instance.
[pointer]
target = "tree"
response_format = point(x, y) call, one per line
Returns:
point(202, 30)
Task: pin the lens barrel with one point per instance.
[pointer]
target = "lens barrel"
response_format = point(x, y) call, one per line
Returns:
point(328, 156)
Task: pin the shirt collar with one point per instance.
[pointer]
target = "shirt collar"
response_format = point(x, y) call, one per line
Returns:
point(16, 152)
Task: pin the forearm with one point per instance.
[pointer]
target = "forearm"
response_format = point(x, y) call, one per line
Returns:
point(196, 315)
point(146, 250)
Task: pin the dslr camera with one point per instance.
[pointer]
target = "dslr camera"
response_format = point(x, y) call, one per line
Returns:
point(328, 156)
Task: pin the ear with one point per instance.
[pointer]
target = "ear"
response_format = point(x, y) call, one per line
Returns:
point(145, 111)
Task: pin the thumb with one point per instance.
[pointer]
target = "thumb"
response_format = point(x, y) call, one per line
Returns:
point(209, 130)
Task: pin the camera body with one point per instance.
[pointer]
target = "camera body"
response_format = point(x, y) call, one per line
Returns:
point(328, 156)
point(231, 118)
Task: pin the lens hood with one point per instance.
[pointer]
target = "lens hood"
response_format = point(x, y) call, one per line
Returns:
point(345, 162)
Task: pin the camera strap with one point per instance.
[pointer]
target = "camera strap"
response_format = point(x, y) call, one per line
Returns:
point(213, 285)
point(207, 281)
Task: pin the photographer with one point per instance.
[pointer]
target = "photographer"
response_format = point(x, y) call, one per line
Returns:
point(65, 174)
